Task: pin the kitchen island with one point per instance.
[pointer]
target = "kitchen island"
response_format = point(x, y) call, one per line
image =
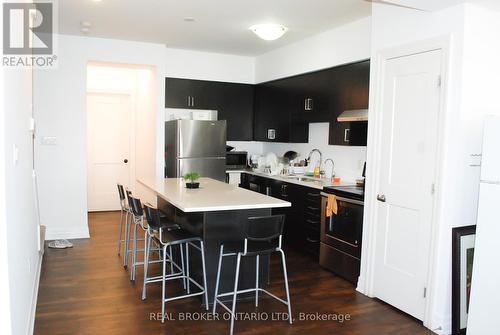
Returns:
point(218, 213)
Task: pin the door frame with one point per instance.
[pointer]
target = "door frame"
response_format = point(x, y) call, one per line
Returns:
point(366, 279)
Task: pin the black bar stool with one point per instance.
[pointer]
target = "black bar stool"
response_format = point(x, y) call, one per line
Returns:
point(124, 209)
point(263, 236)
point(168, 239)
point(128, 220)
point(138, 222)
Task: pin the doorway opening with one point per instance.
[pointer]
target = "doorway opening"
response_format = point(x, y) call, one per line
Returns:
point(121, 131)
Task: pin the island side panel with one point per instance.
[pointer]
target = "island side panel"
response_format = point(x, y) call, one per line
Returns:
point(215, 228)
point(228, 226)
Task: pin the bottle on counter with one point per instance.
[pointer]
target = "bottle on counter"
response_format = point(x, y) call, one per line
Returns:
point(317, 171)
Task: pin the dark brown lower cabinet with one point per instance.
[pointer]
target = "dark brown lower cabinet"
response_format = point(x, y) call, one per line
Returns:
point(302, 219)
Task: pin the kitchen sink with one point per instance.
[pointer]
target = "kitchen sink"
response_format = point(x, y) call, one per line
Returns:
point(306, 179)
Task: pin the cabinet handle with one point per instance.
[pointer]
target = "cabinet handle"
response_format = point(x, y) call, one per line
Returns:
point(312, 221)
point(308, 104)
point(346, 135)
point(310, 240)
point(189, 101)
point(283, 191)
point(313, 194)
point(313, 208)
point(192, 101)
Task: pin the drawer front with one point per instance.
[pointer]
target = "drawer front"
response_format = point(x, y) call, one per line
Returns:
point(340, 263)
point(311, 244)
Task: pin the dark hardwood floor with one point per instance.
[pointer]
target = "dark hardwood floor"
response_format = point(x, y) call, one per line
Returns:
point(85, 290)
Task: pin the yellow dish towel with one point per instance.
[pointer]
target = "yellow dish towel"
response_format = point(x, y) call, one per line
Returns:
point(331, 205)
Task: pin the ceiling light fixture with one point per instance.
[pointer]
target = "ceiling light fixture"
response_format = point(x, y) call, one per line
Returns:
point(269, 31)
point(189, 19)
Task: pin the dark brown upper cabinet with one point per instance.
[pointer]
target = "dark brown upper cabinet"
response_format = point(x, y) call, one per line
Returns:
point(233, 102)
point(285, 107)
point(350, 90)
point(272, 117)
point(281, 110)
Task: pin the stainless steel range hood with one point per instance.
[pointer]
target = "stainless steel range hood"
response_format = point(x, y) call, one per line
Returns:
point(353, 115)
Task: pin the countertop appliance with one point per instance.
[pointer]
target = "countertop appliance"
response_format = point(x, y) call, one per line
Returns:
point(482, 319)
point(190, 114)
point(236, 160)
point(340, 246)
point(195, 146)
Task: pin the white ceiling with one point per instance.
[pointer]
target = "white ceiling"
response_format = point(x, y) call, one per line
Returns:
point(219, 26)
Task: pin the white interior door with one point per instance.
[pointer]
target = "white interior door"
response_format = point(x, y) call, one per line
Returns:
point(410, 106)
point(109, 135)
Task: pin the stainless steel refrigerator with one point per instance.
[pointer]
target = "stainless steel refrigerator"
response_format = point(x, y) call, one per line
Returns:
point(195, 146)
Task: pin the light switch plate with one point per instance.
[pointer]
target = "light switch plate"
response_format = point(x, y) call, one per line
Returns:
point(15, 154)
point(49, 140)
point(32, 124)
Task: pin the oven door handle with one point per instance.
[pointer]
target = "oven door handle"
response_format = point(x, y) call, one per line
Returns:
point(352, 201)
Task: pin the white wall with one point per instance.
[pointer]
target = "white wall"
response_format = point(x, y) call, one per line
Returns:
point(19, 257)
point(345, 44)
point(348, 160)
point(392, 26)
point(209, 66)
point(60, 110)
point(252, 147)
point(472, 76)
point(341, 45)
point(60, 104)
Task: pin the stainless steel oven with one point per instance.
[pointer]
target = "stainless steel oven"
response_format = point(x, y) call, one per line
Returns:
point(340, 247)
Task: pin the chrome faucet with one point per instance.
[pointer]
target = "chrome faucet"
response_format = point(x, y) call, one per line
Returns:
point(333, 166)
point(320, 157)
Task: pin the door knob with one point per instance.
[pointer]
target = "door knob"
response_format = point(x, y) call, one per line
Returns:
point(381, 197)
point(125, 161)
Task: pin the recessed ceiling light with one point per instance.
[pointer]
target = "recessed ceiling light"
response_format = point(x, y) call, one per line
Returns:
point(189, 19)
point(96, 0)
point(269, 31)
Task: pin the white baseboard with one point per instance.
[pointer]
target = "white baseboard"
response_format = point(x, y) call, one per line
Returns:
point(31, 326)
point(441, 324)
point(55, 234)
point(360, 287)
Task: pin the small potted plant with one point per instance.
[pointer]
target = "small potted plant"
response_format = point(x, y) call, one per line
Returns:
point(191, 178)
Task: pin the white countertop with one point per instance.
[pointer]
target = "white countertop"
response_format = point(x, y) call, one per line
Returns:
point(306, 181)
point(212, 195)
